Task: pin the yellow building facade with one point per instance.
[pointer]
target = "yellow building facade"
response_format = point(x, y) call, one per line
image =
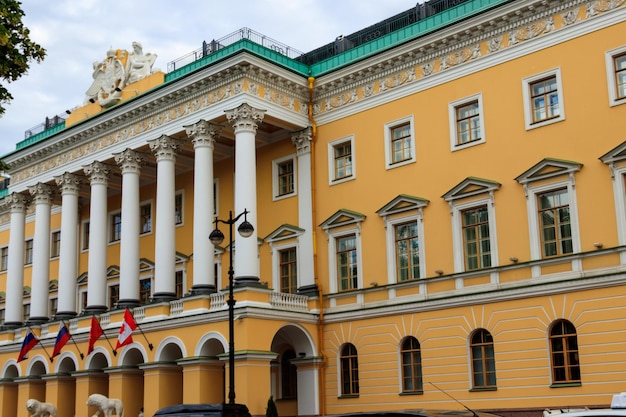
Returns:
point(438, 203)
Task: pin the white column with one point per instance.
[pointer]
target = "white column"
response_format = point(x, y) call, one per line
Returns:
point(14, 307)
point(42, 195)
point(306, 267)
point(130, 163)
point(165, 149)
point(203, 135)
point(245, 120)
point(98, 174)
point(68, 252)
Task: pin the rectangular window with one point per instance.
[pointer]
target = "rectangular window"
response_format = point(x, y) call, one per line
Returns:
point(179, 284)
point(544, 97)
point(54, 305)
point(55, 244)
point(83, 301)
point(146, 218)
point(285, 177)
point(145, 290)
point(401, 143)
point(26, 312)
point(347, 266)
point(620, 75)
point(4, 258)
point(554, 223)
point(178, 208)
point(85, 235)
point(288, 271)
point(476, 239)
point(116, 227)
point(28, 252)
point(342, 160)
point(407, 251)
point(468, 123)
point(114, 295)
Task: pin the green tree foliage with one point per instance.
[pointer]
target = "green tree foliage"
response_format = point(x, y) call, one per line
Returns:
point(271, 410)
point(17, 50)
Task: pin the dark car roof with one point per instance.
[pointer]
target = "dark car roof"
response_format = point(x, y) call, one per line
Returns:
point(229, 409)
point(417, 413)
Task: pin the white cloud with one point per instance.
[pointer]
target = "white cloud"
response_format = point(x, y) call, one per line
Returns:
point(77, 33)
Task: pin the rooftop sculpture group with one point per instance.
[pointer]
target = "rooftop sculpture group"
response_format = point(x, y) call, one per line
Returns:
point(117, 70)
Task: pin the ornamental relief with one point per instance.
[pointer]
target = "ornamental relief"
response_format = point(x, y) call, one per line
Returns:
point(165, 116)
point(466, 54)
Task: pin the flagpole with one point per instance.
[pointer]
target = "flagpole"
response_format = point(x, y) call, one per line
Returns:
point(42, 346)
point(74, 341)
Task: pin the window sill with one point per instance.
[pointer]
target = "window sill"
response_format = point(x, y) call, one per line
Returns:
point(348, 396)
point(481, 389)
point(419, 392)
point(565, 384)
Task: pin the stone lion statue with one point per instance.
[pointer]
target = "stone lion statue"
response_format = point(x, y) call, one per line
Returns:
point(105, 405)
point(38, 409)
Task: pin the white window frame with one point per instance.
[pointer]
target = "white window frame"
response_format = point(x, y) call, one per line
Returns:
point(334, 235)
point(84, 240)
point(390, 226)
point(141, 206)
point(610, 76)
point(51, 314)
point(275, 177)
point(52, 233)
point(110, 227)
point(110, 284)
point(4, 268)
point(533, 218)
point(331, 160)
point(452, 107)
point(32, 249)
point(276, 249)
point(457, 231)
point(389, 164)
point(79, 302)
point(180, 193)
point(528, 108)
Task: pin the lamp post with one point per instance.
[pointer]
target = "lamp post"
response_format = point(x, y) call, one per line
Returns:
point(216, 237)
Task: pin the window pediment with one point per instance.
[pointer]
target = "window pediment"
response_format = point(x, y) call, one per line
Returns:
point(342, 218)
point(549, 168)
point(402, 203)
point(469, 187)
point(286, 231)
point(113, 271)
point(617, 154)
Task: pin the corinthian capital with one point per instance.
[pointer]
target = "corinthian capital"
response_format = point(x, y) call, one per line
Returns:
point(18, 202)
point(165, 147)
point(42, 193)
point(302, 140)
point(203, 133)
point(245, 118)
point(129, 161)
point(69, 183)
point(97, 172)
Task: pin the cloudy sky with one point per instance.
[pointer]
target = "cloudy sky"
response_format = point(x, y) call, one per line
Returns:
point(76, 33)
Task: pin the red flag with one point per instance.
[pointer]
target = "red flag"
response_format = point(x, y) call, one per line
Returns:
point(29, 342)
point(128, 325)
point(62, 338)
point(94, 333)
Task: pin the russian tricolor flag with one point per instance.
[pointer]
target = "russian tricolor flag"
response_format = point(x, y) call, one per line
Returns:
point(29, 342)
point(62, 338)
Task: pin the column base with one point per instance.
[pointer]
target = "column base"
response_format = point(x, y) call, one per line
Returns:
point(12, 324)
point(64, 315)
point(37, 320)
point(249, 281)
point(127, 303)
point(203, 289)
point(89, 310)
point(308, 290)
point(163, 296)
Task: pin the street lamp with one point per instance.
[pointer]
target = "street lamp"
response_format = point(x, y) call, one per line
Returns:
point(216, 237)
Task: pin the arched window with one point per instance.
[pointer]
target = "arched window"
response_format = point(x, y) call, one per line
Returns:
point(411, 356)
point(288, 375)
point(564, 352)
point(483, 359)
point(349, 370)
